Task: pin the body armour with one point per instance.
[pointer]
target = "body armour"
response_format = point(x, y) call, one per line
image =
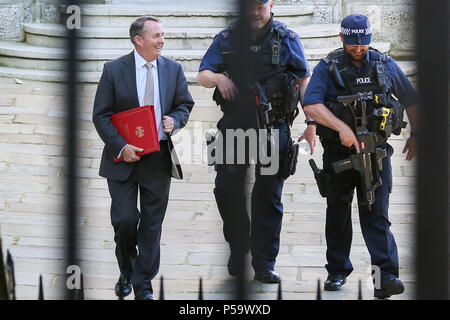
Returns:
point(279, 85)
point(384, 112)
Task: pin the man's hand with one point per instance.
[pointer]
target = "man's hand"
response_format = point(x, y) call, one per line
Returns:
point(348, 138)
point(129, 153)
point(321, 114)
point(168, 124)
point(226, 87)
point(310, 136)
point(410, 146)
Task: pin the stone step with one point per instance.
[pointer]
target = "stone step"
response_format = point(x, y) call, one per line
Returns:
point(408, 67)
point(23, 55)
point(124, 15)
point(53, 35)
point(46, 75)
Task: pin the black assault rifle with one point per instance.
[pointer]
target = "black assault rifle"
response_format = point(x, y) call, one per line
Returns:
point(368, 161)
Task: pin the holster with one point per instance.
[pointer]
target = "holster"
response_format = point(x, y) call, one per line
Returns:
point(289, 164)
point(323, 180)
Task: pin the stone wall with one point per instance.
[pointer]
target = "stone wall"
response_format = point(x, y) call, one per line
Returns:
point(325, 11)
point(392, 21)
point(14, 13)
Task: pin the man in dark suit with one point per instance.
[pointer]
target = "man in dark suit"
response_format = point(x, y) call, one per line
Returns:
point(143, 77)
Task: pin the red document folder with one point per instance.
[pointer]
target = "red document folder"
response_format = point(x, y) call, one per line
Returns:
point(138, 127)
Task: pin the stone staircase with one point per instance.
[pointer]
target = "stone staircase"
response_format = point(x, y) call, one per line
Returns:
point(104, 36)
point(33, 168)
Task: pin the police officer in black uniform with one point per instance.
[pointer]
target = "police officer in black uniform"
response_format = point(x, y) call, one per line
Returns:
point(359, 69)
point(279, 67)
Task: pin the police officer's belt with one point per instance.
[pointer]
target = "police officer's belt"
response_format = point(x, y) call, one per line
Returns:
point(277, 120)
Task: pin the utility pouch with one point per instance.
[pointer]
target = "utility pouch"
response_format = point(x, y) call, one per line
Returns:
point(292, 95)
point(397, 117)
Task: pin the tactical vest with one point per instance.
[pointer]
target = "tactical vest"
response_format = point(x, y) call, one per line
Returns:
point(384, 112)
point(280, 86)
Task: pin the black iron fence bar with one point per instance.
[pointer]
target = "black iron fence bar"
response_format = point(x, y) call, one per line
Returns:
point(240, 43)
point(12, 276)
point(121, 286)
point(279, 294)
point(360, 290)
point(319, 293)
point(41, 289)
point(161, 289)
point(71, 149)
point(432, 162)
point(80, 292)
point(4, 294)
point(200, 290)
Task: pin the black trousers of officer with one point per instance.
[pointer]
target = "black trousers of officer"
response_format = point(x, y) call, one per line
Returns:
point(374, 223)
point(262, 234)
point(142, 228)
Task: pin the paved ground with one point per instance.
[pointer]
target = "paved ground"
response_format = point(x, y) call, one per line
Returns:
point(32, 209)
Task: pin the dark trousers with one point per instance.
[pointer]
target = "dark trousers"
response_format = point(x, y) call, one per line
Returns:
point(261, 234)
point(137, 233)
point(374, 223)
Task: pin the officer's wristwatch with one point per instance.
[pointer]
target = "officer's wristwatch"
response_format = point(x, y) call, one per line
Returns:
point(310, 122)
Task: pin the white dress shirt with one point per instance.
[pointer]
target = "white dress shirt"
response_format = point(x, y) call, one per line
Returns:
point(141, 80)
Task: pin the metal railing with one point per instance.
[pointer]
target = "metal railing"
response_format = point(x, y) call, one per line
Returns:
point(8, 285)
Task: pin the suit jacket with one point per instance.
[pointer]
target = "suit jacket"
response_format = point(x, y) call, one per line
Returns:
point(117, 92)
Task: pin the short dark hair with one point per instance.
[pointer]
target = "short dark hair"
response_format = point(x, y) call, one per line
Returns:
point(137, 28)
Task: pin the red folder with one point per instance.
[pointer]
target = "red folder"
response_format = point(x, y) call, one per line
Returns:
point(138, 127)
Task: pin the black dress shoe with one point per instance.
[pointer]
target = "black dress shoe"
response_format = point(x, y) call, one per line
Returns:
point(126, 288)
point(268, 276)
point(334, 282)
point(389, 288)
point(235, 265)
point(148, 295)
